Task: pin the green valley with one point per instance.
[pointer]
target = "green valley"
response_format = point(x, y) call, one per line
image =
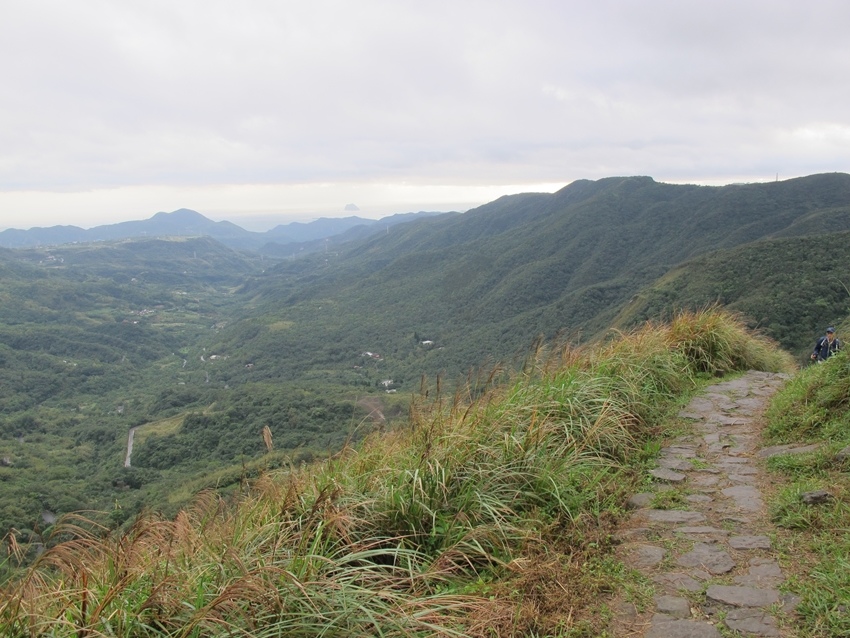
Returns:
point(203, 347)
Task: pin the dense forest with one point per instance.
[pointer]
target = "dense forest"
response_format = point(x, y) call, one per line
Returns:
point(788, 288)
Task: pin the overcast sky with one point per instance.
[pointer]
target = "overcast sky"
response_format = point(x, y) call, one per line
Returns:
point(264, 112)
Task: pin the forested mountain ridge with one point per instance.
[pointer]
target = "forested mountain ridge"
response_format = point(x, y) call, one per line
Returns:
point(486, 283)
point(205, 346)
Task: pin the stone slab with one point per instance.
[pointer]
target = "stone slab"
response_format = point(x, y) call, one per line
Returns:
point(693, 415)
point(639, 501)
point(715, 449)
point(749, 542)
point(700, 405)
point(708, 556)
point(737, 468)
point(682, 451)
point(645, 556)
point(790, 602)
point(746, 497)
point(725, 421)
point(670, 628)
point(753, 622)
point(739, 386)
point(738, 596)
point(679, 465)
point(816, 497)
point(760, 579)
point(705, 480)
point(663, 474)
point(734, 460)
point(675, 606)
point(718, 398)
point(775, 450)
point(678, 581)
point(673, 516)
point(702, 529)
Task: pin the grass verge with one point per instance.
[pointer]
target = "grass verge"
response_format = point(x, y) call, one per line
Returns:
point(814, 408)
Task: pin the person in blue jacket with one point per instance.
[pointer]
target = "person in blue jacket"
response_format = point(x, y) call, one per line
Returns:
point(826, 346)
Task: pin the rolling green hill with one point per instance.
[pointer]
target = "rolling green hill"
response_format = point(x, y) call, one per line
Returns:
point(91, 339)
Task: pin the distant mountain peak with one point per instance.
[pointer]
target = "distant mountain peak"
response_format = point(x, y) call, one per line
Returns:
point(186, 222)
point(181, 214)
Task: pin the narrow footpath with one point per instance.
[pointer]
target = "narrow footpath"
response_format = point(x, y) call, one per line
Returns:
point(709, 554)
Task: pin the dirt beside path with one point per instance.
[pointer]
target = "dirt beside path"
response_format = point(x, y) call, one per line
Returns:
point(709, 552)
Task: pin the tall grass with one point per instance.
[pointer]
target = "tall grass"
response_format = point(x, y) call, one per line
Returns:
point(402, 535)
point(814, 407)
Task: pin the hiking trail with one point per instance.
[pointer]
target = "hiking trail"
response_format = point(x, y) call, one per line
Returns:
point(712, 563)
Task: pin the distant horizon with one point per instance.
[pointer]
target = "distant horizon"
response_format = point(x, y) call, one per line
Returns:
point(262, 221)
point(259, 206)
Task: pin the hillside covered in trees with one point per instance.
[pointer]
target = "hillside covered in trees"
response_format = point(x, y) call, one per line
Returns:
point(201, 348)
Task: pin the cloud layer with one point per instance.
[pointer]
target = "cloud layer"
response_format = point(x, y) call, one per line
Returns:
point(117, 96)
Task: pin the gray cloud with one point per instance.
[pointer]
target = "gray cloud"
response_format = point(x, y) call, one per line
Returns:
point(105, 95)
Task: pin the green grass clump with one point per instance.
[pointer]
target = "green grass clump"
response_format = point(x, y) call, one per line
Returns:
point(715, 345)
point(489, 514)
point(814, 408)
point(825, 605)
point(815, 405)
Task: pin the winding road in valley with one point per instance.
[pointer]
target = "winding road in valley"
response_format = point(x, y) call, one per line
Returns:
point(130, 437)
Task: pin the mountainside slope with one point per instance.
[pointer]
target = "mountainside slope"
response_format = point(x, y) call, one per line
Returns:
point(486, 283)
point(789, 288)
point(99, 338)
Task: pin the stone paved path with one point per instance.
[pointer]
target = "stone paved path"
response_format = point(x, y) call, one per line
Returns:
point(711, 559)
